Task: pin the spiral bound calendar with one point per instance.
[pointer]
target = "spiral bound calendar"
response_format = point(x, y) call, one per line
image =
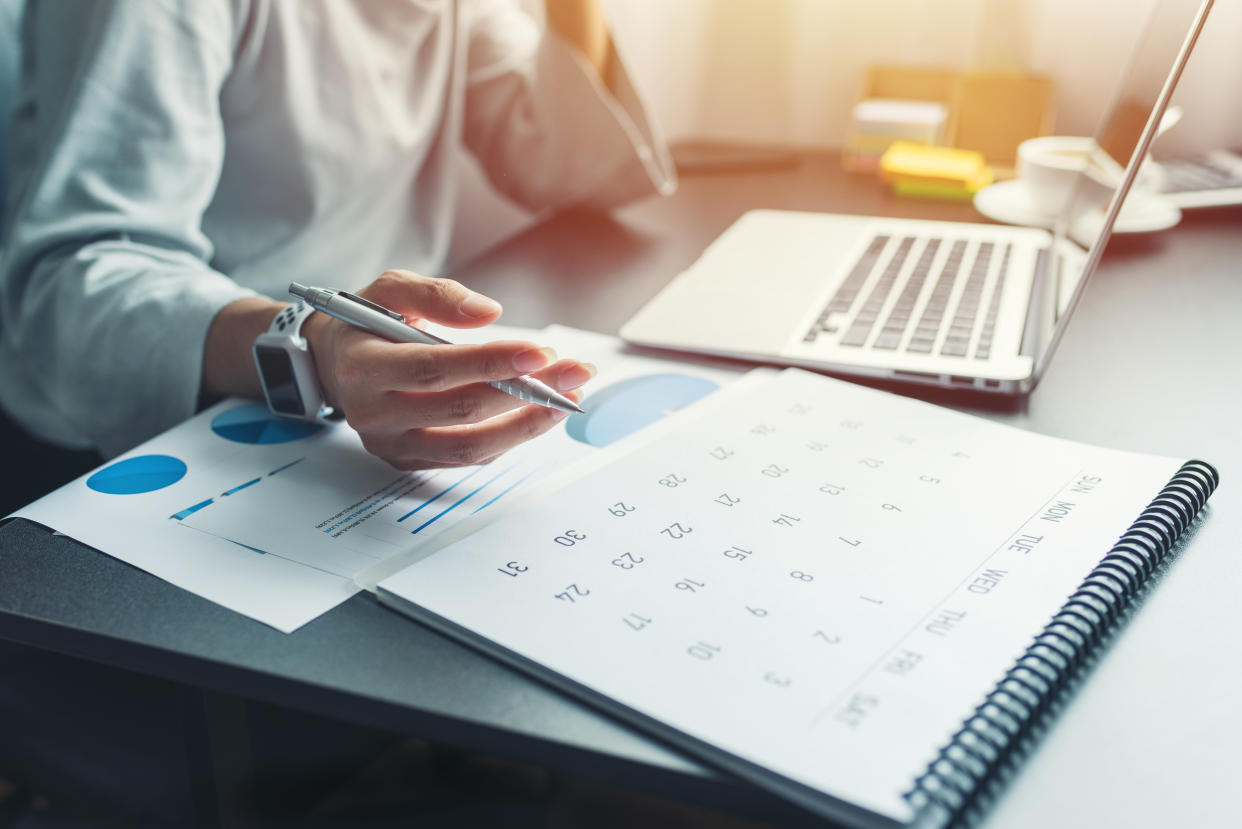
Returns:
point(856, 600)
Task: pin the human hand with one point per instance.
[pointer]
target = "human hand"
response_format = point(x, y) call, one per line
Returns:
point(418, 406)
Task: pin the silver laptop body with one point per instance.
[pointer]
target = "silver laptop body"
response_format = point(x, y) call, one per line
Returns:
point(943, 303)
point(1211, 179)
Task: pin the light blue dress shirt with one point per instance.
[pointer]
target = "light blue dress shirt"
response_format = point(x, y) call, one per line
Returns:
point(10, 15)
point(171, 156)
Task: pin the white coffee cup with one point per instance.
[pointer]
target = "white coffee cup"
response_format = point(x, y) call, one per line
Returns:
point(1049, 167)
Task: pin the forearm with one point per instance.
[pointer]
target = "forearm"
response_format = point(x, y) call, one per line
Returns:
point(580, 23)
point(228, 362)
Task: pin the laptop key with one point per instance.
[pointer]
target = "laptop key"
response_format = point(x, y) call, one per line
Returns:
point(887, 340)
point(856, 336)
point(920, 345)
point(954, 348)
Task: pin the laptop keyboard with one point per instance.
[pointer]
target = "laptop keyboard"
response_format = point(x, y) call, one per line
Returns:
point(899, 317)
point(934, 319)
point(929, 324)
point(983, 349)
point(843, 299)
point(865, 318)
point(968, 305)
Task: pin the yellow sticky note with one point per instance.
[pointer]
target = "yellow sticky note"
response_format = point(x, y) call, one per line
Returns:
point(946, 165)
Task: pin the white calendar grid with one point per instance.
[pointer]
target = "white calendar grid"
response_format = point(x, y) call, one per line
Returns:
point(818, 578)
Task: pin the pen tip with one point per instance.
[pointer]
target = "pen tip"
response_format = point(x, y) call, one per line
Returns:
point(579, 410)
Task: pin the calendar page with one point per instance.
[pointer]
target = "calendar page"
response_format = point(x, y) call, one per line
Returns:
point(805, 581)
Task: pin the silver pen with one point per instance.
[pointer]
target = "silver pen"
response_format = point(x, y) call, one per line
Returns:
point(390, 325)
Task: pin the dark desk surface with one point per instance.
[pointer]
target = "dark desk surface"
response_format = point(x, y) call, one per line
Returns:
point(1150, 363)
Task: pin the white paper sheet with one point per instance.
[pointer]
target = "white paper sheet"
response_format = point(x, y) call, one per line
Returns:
point(135, 507)
point(815, 577)
point(128, 509)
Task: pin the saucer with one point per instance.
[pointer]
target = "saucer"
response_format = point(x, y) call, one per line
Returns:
point(1007, 202)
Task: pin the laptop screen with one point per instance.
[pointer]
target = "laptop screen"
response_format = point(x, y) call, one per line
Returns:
point(1121, 144)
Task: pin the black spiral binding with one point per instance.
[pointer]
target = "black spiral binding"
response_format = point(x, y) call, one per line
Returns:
point(968, 771)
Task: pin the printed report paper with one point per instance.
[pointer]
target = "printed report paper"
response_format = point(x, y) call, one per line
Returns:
point(273, 517)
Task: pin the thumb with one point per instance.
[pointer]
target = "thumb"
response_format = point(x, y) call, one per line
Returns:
point(440, 300)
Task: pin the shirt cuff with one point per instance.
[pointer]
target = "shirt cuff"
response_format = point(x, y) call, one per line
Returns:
point(166, 380)
point(124, 361)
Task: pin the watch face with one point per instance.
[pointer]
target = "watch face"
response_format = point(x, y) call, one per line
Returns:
point(282, 388)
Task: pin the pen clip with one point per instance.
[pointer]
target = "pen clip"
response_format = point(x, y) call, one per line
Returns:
point(369, 304)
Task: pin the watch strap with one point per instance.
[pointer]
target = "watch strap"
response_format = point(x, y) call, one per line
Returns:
point(284, 336)
point(289, 320)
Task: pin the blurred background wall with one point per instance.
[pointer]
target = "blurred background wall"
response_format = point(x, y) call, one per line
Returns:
point(789, 71)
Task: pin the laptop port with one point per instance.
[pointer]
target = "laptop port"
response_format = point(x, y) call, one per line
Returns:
point(916, 375)
point(961, 381)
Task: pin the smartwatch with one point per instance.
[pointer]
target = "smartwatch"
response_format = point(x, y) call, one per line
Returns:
point(286, 368)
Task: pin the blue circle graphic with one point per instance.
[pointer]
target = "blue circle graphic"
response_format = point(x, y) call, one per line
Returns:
point(254, 423)
point(134, 476)
point(627, 406)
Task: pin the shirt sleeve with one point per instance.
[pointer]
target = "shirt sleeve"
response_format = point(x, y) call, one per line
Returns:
point(106, 293)
point(544, 127)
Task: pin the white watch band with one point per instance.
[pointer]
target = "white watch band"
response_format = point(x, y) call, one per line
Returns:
point(289, 321)
point(286, 368)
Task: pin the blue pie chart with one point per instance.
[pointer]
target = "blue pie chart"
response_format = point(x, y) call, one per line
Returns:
point(255, 424)
point(134, 476)
point(627, 406)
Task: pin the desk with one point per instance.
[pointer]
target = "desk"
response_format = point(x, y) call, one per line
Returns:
point(1150, 363)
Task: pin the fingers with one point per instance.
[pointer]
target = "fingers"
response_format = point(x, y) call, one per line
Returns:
point(465, 445)
point(478, 443)
point(567, 374)
point(440, 300)
point(419, 406)
point(410, 367)
point(467, 404)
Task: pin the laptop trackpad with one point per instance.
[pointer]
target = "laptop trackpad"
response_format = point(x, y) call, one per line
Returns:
point(752, 285)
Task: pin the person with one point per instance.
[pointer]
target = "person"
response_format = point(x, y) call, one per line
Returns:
point(174, 166)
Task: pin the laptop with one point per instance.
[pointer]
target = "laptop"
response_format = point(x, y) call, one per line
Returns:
point(1210, 179)
point(950, 304)
point(1206, 179)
